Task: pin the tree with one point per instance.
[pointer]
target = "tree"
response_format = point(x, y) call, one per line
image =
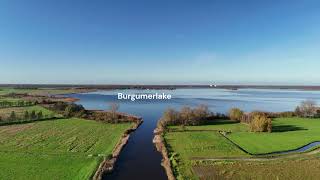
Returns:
point(186, 115)
point(169, 117)
point(201, 113)
point(235, 114)
point(114, 107)
point(72, 109)
point(13, 116)
point(33, 115)
point(306, 109)
point(26, 115)
point(39, 115)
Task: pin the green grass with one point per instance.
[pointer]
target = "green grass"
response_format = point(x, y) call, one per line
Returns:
point(5, 112)
point(217, 125)
point(288, 133)
point(10, 99)
point(205, 142)
point(294, 169)
point(186, 145)
point(61, 149)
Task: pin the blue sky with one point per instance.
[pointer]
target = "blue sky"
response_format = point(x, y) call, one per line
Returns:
point(160, 42)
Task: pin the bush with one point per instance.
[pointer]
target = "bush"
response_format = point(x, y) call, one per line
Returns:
point(13, 116)
point(39, 115)
point(26, 115)
point(260, 123)
point(33, 115)
point(235, 114)
point(72, 109)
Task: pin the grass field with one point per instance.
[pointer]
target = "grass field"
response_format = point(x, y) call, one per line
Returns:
point(306, 167)
point(5, 112)
point(199, 142)
point(288, 133)
point(61, 149)
point(205, 142)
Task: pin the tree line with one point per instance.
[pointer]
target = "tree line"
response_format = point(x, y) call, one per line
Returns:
point(5, 103)
point(258, 121)
point(188, 116)
point(76, 110)
point(26, 116)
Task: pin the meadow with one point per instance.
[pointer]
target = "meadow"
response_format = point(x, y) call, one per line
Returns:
point(304, 167)
point(191, 147)
point(287, 134)
point(60, 149)
point(20, 110)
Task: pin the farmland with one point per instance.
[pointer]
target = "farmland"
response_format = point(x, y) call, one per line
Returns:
point(305, 167)
point(191, 149)
point(63, 149)
point(20, 110)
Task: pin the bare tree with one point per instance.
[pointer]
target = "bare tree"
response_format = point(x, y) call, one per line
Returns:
point(114, 107)
point(307, 109)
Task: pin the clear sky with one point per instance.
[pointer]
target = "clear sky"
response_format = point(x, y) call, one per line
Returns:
point(160, 41)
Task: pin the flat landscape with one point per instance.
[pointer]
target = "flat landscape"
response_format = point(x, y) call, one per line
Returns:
point(57, 149)
point(39, 91)
point(201, 152)
point(287, 134)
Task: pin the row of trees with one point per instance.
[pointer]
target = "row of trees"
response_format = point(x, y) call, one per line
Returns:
point(5, 103)
point(26, 116)
point(186, 116)
point(75, 110)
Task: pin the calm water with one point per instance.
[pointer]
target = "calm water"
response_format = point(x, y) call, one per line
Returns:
point(302, 149)
point(139, 159)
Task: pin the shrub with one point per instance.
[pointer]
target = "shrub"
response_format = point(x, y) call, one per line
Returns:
point(26, 115)
point(235, 114)
point(39, 115)
point(72, 109)
point(12, 116)
point(260, 123)
point(33, 115)
point(286, 114)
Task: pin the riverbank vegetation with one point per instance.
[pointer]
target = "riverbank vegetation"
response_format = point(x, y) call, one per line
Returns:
point(239, 135)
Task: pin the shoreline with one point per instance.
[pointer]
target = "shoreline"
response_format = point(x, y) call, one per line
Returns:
point(82, 88)
point(158, 141)
point(108, 163)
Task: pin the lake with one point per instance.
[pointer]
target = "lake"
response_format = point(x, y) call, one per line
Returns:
point(139, 159)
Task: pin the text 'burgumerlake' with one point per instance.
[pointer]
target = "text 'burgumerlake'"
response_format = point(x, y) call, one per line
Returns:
point(133, 97)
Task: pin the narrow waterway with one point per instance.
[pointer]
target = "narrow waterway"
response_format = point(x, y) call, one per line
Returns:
point(139, 158)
